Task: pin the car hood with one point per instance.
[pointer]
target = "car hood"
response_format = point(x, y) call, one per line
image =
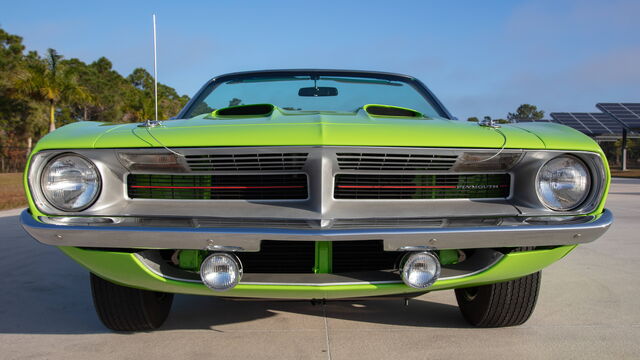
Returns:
point(331, 129)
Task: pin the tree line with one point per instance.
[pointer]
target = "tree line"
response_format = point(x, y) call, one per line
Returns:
point(41, 92)
point(523, 112)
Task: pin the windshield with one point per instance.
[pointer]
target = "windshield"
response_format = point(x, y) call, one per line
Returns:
point(311, 93)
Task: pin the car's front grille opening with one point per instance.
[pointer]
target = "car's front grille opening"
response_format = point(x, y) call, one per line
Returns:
point(290, 257)
point(395, 162)
point(367, 255)
point(400, 187)
point(247, 162)
point(280, 257)
point(218, 187)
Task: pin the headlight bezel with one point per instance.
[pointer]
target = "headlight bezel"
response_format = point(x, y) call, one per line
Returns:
point(584, 198)
point(41, 182)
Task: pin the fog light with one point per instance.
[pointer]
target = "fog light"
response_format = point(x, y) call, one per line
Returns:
point(220, 271)
point(420, 269)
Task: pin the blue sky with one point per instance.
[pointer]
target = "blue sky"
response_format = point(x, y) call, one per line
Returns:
point(479, 57)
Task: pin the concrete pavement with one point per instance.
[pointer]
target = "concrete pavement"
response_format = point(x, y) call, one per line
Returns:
point(589, 307)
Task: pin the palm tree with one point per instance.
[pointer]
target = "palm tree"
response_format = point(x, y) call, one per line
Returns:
point(50, 83)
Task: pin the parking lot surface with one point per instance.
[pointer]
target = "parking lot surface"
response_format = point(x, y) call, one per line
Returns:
point(589, 307)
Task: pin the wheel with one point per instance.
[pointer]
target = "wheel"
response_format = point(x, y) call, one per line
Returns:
point(122, 308)
point(507, 303)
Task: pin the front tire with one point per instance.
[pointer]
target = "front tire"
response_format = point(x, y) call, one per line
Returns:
point(122, 308)
point(502, 304)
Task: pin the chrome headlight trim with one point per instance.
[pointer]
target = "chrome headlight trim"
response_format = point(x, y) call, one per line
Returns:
point(588, 184)
point(46, 193)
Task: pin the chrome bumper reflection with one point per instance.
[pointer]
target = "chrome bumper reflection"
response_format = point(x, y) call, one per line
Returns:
point(583, 230)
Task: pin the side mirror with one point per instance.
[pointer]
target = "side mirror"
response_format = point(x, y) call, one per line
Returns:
point(318, 91)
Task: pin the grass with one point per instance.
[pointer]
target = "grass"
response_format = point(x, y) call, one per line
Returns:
point(634, 173)
point(11, 191)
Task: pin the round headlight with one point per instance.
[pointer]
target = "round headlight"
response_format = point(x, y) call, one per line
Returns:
point(221, 271)
point(70, 183)
point(563, 183)
point(420, 269)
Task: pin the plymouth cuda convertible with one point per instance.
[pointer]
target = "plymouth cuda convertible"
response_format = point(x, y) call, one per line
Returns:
point(315, 185)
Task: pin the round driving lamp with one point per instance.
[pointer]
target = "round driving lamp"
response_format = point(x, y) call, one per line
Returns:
point(70, 182)
point(420, 269)
point(221, 271)
point(563, 183)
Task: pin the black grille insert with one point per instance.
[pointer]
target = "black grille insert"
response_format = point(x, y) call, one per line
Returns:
point(367, 255)
point(218, 187)
point(395, 162)
point(247, 162)
point(280, 257)
point(364, 186)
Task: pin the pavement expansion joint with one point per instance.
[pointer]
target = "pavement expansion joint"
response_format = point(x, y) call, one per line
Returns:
point(326, 330)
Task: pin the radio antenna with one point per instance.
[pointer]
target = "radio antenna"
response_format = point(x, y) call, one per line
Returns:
point(148, 124)
point(155, 67)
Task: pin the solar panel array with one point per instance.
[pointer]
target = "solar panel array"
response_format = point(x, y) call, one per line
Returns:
point(592, 124)
point(626, 113)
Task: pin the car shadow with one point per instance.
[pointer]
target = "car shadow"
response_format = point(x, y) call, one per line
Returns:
point(42, 291)
point(203, 312)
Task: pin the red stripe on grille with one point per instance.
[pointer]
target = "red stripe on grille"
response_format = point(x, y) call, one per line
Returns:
point(394, 187)
point(215, 187)
point(400, 187)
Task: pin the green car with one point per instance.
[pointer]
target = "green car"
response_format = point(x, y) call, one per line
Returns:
point(317, 185)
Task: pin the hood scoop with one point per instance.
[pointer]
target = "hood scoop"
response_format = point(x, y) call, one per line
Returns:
point(389, 110)
point(240, 111)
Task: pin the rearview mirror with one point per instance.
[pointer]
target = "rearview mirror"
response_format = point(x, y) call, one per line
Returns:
point(318, 91)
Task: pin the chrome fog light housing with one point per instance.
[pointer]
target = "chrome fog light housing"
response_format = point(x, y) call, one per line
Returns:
point(221, 271)
point(420, 269)
point(563, 183)
point(70, 182)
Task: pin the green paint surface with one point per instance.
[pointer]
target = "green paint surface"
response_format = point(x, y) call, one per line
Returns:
point(324, 258)
point(191, 259)
point(126, 269)
point(296, 128)
point(448, 256)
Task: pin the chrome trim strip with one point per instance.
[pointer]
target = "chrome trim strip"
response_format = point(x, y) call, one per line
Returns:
point(249, 238)
point(399, 281)
point(326, 284)
point(498, 258)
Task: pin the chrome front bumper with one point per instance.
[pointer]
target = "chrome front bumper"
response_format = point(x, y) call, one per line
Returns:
point(574, 230)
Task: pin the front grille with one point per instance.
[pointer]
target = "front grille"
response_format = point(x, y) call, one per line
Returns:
point(280, 257)
point(218, 187)
point(365, 186)
point(291, 257)
point(395, 162)
point(247, 162)
point(365, 255)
